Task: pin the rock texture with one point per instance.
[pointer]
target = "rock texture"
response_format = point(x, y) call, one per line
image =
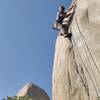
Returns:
point(33, 91)
point(88, 21)
point(77, 64)
point(67, 84)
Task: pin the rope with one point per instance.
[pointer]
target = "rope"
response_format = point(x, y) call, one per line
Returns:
point(87, 50)
point(86, 45)
point(78, 53)
point(82, 76)
point(83, 81)
point(92, 69)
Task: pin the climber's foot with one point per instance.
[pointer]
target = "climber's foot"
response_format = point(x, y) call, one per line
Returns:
point(61, 34)
point(67, 35)
point(64, 34)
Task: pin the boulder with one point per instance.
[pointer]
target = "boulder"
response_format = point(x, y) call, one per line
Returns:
point(33, 91)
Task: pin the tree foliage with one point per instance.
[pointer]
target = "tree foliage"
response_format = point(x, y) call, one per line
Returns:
point(18, 98)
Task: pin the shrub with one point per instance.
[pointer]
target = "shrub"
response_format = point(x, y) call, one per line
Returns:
point(18, 98)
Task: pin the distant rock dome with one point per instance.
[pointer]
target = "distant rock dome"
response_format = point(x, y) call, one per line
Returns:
point(33, 91)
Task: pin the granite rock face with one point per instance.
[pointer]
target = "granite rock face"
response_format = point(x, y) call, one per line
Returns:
point(76, 70)
point(33, 91)
point(67, 84)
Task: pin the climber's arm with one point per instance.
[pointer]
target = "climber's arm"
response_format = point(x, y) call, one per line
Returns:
point(70, 12)
point(69, 15)
point(73, 5)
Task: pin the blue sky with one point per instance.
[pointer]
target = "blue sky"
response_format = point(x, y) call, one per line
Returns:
point(27, 43)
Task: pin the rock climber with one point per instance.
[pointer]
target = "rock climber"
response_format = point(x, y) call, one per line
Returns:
point(60, 15)
point(58, 25)
point(64, 19)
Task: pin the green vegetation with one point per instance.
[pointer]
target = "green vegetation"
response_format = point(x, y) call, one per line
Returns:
point(19, 98)
point(98, 98)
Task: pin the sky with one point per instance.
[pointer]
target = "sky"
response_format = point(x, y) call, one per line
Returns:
point(27, 43)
